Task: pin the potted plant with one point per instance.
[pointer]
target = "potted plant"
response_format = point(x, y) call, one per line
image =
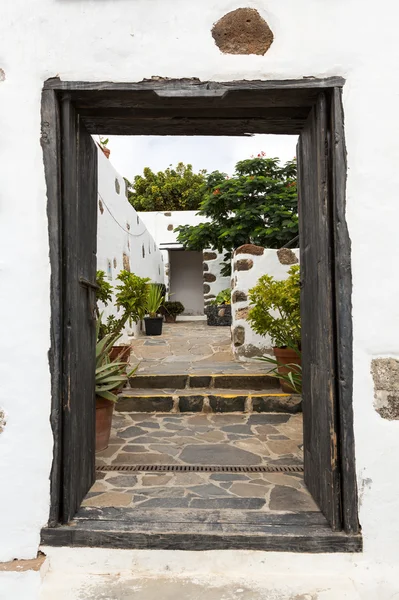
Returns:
point(155, 298)
point(131, 298)
point(275, 311)
point(110, 378)
point(219, 310)
point(171, 310)
point(103, 145)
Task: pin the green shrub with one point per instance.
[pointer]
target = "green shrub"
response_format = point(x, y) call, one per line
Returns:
point(276, 309)
point(223, 297)
point(172, 308)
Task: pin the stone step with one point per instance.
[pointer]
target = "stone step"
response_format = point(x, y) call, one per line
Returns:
point(231, 381)
point(208, 400)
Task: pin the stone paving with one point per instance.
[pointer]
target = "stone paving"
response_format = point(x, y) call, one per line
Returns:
point(190, 347)
point(212, 439)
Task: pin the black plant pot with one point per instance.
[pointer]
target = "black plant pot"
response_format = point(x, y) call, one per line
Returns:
point(153, 325)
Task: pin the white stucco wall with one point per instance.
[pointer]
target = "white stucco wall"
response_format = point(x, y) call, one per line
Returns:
point(162, 224)
point(266, 264)
point(121, 232)
point(132, 40)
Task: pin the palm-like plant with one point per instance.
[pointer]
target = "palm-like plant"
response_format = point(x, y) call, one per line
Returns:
point(155, 299)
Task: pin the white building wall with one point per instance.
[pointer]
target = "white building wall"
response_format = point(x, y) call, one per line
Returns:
point(246, 343)
point(123, 240)
point(131, 41)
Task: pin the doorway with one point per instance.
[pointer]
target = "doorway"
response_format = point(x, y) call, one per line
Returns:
point(311, 108)
point(186, 280)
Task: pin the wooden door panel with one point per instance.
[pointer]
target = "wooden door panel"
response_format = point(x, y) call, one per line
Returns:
point(79, 263)
point(318, 314)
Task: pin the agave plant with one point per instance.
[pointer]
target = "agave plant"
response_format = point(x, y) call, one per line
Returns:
point(110, 375)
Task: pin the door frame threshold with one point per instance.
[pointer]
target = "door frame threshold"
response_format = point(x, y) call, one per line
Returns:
point(190, 529)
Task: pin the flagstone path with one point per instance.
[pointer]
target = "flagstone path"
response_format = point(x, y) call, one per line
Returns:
point(212, 439)
point(190, 347)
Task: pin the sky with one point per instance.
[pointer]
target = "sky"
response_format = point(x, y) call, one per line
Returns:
point(130, 154)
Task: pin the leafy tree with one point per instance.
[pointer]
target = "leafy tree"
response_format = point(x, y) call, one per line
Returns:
point(257, 205)
point(173, 189)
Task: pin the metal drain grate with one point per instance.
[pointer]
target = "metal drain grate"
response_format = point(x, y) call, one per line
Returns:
point(203, 468)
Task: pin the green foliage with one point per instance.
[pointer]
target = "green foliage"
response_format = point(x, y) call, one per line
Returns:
point(154, 299)
point(172, 308)
point(223, 297)
point(110, 375)
point(258, 205)
point(132, 296)
point(276, 309)
point(104, 290)
point(103, 141)
point(173, 189)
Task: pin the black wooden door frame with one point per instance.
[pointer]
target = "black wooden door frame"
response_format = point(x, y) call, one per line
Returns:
point(191, 107)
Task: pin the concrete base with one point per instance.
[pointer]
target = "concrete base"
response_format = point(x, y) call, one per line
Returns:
point(92, 574)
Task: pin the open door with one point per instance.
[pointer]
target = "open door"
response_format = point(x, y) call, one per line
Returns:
point(322, 475)
point(79, 244)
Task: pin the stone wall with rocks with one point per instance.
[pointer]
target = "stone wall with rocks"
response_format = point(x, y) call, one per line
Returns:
point(248, 264)
point(214, 282)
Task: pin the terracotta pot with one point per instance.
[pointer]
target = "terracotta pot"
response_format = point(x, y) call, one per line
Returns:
point(286, 356)
point(104, 412)
point(123, 352)
point(170, 318)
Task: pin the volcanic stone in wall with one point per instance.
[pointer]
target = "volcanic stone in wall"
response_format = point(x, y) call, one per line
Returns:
point(170, 227)
point(206, 268)
point(210, 277)
point(207, 288)
point(242, 313)
point(209, 256)
point(126, 262)
point(239, 296)
point(238, 335)
point(250, 249)
point(242, 31)
point(244, 264)
point(2, 420)
point(385, 372)
point(117, 186)
point(287, 256)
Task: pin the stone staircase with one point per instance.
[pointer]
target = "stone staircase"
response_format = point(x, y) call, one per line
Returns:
point(207, 393)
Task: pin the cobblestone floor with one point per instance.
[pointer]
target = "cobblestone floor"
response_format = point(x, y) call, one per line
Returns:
point(190, 347)
point(213, 439)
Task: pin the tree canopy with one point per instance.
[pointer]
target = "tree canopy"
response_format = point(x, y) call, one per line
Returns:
point(257, 205)
point(176, 188)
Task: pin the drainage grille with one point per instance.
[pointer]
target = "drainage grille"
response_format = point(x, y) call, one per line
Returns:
point(204, 468)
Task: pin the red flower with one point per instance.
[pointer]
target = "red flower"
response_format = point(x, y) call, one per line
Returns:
point(216, 192)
